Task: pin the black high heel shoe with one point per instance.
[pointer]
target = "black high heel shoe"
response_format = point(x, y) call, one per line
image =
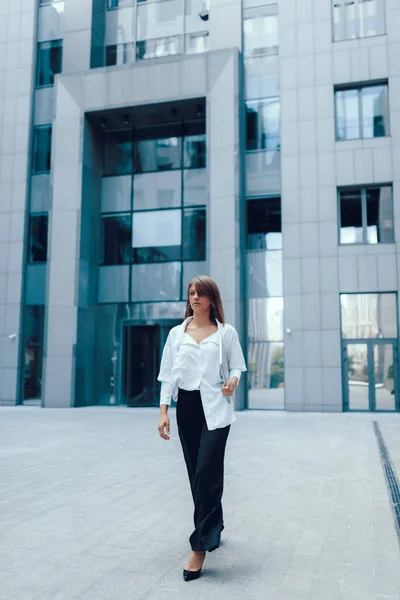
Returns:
point(192, 575)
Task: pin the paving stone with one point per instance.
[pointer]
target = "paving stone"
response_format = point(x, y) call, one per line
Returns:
point(95, 506)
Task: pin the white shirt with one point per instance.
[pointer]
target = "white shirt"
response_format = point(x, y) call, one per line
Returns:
point(206, 366)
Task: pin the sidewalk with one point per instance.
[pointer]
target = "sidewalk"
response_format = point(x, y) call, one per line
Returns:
point(94, 506)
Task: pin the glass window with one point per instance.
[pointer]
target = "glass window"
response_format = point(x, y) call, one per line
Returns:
point(160, 21)
point(194, 234)
point(266, 375)
point(38, 237)
point(42, 149)
point(156, 283)
point(351, 226)
point(366, 215)
point(158, 154)
point(195, 151)
point(264, 224)
point(261, 31)
point(117, 236)
point(261, 85)
point(157, 236)
point(358, 18)
point(113, 284)
point(119, 3)
point(157, 190)
point(368, 316)
point(195, 187)
point(118, 152)
point(362, 112)
point(120, 54)
point(197, 43)
point(157, 48)
point(265, 274)
point(265, 319)
point(375, 111)
point(263, 124)
point(49, 62)
point(33, 351)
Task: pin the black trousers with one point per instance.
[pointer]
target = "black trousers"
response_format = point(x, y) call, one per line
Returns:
point(204, 453)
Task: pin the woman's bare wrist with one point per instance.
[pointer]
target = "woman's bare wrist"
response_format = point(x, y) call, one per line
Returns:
point(164, 409)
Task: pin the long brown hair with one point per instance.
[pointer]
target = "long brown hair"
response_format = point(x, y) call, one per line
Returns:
point(205, 286)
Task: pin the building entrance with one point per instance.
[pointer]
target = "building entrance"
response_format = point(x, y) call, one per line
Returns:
point(142, 348)
point(370, 375)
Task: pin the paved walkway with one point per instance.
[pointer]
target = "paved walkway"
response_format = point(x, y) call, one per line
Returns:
point(93, 506)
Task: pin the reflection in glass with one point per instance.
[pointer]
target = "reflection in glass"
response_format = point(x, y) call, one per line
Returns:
point(384, 376)
point(265, 273)
point(351, 225)
point(260, 85)
point(375, 111)
point(347, 115)
point(358, 380)
point(263, 124)
point(116, 194)
point(158, 154)
point(166, 46)
point(120, 54)
point(157, 236)
point(42, 149)
point(195, 151)
point(33, 351)
point(157, 190)
point(261, 31)
point(157, 282)
point(263, 172)
point(265, 321)
point(113, 284)
point(49, 62)
point(159, 21)
point(117, 235)
point(197, 43)
point(266, 375)
point(369, 316)
point(362, 112)
point(118, 152)
point(195, 187)
point(38, 234)
point(379, 215)
point(194, 234)
point(372, 17)
point(264, 224)
point(357, 18)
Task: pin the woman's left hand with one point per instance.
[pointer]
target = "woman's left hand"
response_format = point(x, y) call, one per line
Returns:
point(229, 387)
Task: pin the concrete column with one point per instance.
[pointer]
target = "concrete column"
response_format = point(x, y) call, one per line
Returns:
point(77, 36)
point(17, 39)
point(225, 24)
point(226, 198)
point(64, 246)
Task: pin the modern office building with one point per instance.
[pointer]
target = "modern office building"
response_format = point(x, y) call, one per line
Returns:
point(145, 141)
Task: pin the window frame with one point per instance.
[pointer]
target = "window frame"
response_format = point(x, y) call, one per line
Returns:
point(363, 191)
point(359, 89)
point(54, 44)
point(30, 238)
point(358, 21)
point(34, 148)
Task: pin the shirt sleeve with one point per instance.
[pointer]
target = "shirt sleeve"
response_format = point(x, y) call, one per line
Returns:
point(164, 375)
point(236, 362)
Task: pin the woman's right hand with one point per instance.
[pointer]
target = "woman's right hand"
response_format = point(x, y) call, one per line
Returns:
point(164, 426)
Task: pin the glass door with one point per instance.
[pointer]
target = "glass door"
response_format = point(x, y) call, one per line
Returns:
point(370, 375)
point(385, 357)
point(357, 377)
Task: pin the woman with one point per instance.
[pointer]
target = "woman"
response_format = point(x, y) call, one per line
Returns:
point(200, 368)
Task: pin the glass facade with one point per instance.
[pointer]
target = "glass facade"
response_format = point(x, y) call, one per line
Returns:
point(49, 62)
point(159, 221)
point(162, 28)
point(33, 352)
point(369, 316)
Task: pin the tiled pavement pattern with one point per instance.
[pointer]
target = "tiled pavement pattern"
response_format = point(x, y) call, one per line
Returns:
point(95, 506)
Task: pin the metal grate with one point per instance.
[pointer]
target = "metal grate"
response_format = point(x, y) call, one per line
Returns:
point(392, 480)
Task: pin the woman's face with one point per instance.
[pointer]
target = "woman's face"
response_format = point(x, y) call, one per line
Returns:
point(199, 304)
